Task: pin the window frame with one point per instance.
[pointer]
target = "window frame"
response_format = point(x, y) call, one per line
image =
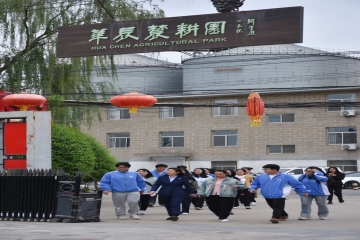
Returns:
point(127, 140)
point(342, 135)
point(282, 149)
point(352, 99)
point(225, 165)
point(120, 110)
point(234, 110)
point(172, 139)
point(226, 138)
point(281, 118)
point(172, 112)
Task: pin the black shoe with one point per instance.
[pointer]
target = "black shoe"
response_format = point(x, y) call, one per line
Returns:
point(329, 202)
point(231, 213)
point(169, 218)
point(341, 201)
point(174, 218)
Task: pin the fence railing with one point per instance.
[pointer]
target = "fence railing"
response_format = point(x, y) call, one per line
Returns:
point(29, 195)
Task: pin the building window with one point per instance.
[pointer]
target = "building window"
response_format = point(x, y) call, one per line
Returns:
point(116, 113)
point(225, 111)
point(224, 165)
point(171, 112)
point(225, 138)
point(172, 139)
point(119, 140)
point(278, 118)
point(342, 135)
point(281, 149)
point(345, 165)
point(345, 97)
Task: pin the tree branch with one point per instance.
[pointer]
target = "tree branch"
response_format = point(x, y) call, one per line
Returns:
point(26, 11)
point(37, 41)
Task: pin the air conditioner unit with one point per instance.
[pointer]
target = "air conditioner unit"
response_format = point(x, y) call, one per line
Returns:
point(349, 147)
point(347, 113)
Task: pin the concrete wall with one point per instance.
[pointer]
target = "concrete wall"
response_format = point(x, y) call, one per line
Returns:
point(38, 137)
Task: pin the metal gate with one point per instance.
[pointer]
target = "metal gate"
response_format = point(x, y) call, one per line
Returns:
point(29, 195)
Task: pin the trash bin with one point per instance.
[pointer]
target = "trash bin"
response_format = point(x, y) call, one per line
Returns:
point(76, 206)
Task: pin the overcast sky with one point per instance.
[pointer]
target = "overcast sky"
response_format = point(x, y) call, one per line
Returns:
point(333, 24)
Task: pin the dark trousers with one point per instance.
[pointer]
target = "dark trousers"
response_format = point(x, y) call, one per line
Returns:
point(278, 206)
point(172, 204)
point(144, 202)
point(337, 190)
point(198, 202)
point(186, 202)
point(220, 206)
point(245, 197)
point(153, 200)
point(252, 197)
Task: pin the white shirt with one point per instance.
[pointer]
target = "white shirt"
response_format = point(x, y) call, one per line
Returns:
point(242, 178)
point(271, 176)
point(172, 178)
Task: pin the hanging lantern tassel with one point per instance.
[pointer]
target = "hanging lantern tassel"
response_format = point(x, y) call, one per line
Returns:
point(255, 109)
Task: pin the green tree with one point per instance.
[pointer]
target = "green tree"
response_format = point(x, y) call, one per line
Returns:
point(104, 161)
point(28, 45)
point(73, 150)
point(70, 150)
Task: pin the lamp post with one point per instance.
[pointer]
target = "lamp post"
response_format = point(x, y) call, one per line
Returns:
point(224, 6)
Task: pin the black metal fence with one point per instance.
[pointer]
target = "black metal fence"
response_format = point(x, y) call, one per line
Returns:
point(29, 195)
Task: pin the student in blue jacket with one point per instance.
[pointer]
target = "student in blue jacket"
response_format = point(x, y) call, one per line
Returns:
point(314, 180)
point(172, 191)
point(124, 186)
point(275, 187)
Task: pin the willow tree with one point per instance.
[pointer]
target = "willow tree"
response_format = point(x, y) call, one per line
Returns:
point(28, 47)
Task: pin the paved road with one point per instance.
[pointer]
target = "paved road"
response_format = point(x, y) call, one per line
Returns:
point(251, 224)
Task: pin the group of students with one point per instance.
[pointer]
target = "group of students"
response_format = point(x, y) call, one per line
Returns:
point(222, 190)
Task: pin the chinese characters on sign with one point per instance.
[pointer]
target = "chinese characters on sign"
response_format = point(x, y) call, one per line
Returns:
point(155, 32)
point(202, 32)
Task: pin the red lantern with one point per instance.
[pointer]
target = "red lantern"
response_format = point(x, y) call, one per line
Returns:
point(255, 108)
point(133, 101)
point(24, 100)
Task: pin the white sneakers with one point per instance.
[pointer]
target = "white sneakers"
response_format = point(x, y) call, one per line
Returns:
point(142, 212)
point(134, 216)
point(252, 203)
point(248, 207)
point(304, 218)
point(323, 218)
point(122, 217)
point(184, 213)
point(224, 220)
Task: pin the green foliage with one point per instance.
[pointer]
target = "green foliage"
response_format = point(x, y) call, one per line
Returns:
point(28, 60)
point(104, 161)
point(73, 150)
point(70, 150)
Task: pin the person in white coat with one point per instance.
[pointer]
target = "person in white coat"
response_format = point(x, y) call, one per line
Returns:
point(200, 176)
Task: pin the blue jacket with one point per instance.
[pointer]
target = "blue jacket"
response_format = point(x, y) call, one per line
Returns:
point(157, 174)
point(122, 182)
point(172, 188)
point(278, 187)
point(316, 185)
